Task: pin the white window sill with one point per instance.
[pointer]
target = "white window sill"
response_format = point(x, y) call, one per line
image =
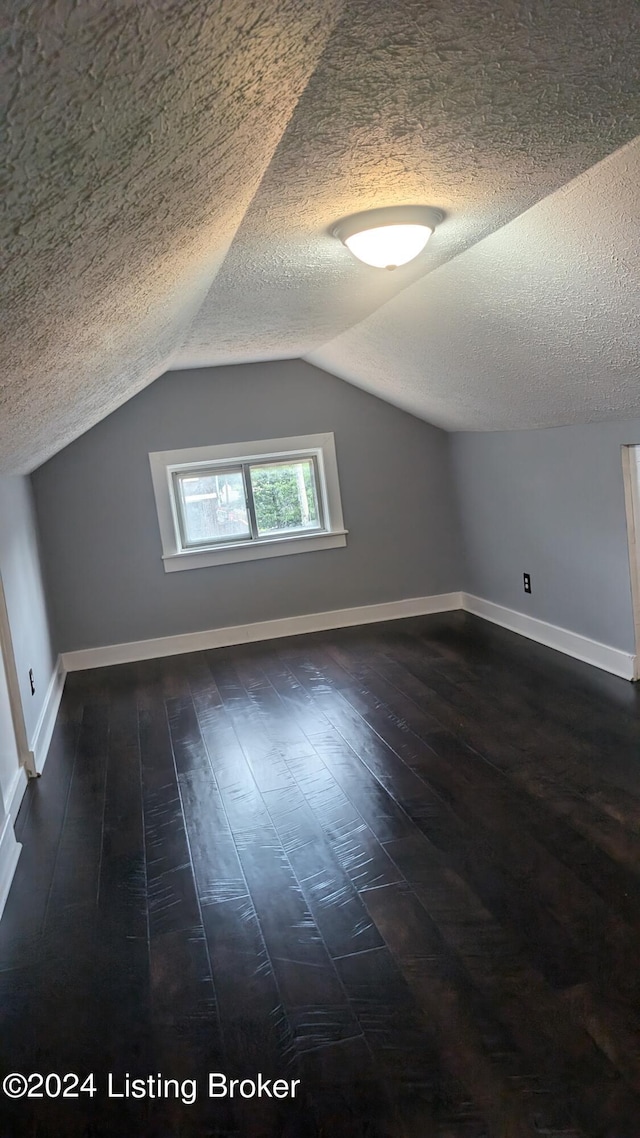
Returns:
point(254, 550)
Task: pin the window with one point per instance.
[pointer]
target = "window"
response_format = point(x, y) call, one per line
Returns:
point(241, 501)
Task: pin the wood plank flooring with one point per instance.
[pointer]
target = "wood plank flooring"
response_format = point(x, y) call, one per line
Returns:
point(399, 863)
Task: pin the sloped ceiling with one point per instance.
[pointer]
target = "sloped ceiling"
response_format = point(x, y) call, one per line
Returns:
point(174, 171)
point(538, 325)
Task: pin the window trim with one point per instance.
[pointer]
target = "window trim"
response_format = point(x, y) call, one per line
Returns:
point(320, 447)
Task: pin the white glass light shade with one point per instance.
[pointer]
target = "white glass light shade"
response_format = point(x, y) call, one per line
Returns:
point(387, 246)
point(390, 236)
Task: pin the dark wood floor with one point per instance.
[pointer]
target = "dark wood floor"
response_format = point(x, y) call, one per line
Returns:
point(398, 863)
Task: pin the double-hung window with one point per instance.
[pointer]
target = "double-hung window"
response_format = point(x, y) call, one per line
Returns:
point(241, 501)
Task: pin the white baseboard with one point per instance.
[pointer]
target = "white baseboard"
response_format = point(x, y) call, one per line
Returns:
point(9, 854)
point(262, 630)
point(16, 794)
point(47, 718)
point(571, 643)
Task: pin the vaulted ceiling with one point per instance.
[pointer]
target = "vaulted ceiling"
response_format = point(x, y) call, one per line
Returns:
point(174, 170)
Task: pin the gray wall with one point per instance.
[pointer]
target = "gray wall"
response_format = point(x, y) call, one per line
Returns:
point(550, 502)
point(99, 526)
point(24, 594)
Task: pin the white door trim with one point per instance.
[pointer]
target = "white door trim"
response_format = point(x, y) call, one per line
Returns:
point(9, 847)
point(13, 684)
point(631, 478)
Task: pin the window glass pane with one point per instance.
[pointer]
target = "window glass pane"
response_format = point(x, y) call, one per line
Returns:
point(213, 507)
point(285, 496)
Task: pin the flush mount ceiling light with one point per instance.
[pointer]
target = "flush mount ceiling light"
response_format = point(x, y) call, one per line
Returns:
point(386, 238)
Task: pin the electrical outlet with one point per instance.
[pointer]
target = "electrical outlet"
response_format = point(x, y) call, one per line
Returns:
point(527, 582)
point(32, 681)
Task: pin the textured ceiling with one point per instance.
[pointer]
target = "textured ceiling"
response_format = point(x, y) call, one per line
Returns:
point(173, 170)
point(535, 326)
point(476, 107)
point(138, 133)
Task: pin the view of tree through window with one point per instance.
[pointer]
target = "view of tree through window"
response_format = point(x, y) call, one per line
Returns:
point(233, 501)
point(213, 505)
point(284, 495)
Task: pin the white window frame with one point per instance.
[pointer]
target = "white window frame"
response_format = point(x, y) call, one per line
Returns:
point(165, 463)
